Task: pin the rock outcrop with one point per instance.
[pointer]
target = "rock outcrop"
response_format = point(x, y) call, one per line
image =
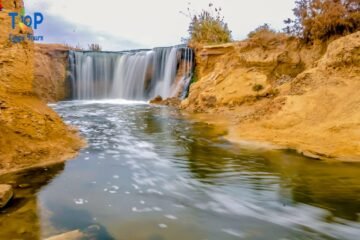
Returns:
point(280, 91)
point(30, 132)
point(50, 76)
point(6, 193)
point(173, 102)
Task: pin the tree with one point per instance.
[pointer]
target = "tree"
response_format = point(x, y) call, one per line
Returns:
point(322, 19)
point(95, 47)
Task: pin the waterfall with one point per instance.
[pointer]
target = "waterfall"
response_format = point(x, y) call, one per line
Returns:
point(135, 75)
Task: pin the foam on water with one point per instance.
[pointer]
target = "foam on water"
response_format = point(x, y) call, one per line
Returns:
point(288, 216)
point(151, 168)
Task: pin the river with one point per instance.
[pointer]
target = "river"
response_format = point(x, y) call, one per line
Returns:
point(151, 173)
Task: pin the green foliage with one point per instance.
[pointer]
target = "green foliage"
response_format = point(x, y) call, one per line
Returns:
point(193, 78)
point(95, 47)
point(323, 19)
point(208, 27)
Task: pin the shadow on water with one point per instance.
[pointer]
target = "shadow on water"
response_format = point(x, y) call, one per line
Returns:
point(150, 173)
point(213, 160)
point(331, 186)
point(80, 219)
point(203, 150)
point(21, 220)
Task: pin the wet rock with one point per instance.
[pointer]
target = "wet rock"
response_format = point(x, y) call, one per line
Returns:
point(173, 101)
point(6, 193)
point(73, 235)
point(156, 100)
point(91, 232)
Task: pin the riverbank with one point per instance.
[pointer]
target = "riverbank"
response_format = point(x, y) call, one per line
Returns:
point(274, 90)
point(147, 166)
point(31, 133)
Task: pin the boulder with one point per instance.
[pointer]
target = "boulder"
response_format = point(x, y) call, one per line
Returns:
point(6, 193)
point(173, 101)
point(156, 100)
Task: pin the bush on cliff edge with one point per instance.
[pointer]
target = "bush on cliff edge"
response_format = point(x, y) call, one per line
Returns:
point(208, 27)
point(324, 19)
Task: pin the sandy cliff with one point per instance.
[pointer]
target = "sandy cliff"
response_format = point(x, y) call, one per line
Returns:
point(50, 79)
point(30, 132)
point(274, 89)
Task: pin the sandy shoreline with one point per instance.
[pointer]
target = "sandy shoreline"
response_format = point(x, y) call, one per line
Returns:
point(308, 100)
point(261, 139)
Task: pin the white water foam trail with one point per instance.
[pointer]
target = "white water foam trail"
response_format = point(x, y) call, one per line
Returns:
point(289, 216)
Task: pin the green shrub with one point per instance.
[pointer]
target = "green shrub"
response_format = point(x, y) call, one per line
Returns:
point(208, 27)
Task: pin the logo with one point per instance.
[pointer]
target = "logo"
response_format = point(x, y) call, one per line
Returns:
point(26, 20)
point(22, 26)
point(25, 23)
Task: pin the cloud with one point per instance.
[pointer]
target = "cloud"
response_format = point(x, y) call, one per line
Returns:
point(120, 24)
point(57, 30)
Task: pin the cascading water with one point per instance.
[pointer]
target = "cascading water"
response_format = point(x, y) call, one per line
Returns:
point(135, 75)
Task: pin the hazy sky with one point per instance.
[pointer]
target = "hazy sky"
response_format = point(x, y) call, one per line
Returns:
point(126, 24)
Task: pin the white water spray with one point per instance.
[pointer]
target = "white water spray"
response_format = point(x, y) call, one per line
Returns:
point(134, 75)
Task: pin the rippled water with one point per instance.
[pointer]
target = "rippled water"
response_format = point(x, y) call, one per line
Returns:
point(149, 173)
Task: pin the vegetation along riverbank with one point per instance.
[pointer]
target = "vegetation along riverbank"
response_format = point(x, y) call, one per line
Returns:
point(295, 89)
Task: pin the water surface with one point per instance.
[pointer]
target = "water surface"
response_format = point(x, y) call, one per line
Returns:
point(149, 173)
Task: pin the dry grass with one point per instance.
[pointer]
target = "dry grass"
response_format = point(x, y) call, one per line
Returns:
point(324, 19)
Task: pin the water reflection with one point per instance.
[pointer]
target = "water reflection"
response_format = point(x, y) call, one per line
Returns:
point(21, 220)
point(149, 173)
point(332, 186)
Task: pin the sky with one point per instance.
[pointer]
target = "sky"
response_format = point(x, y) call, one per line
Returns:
point(130, 24)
